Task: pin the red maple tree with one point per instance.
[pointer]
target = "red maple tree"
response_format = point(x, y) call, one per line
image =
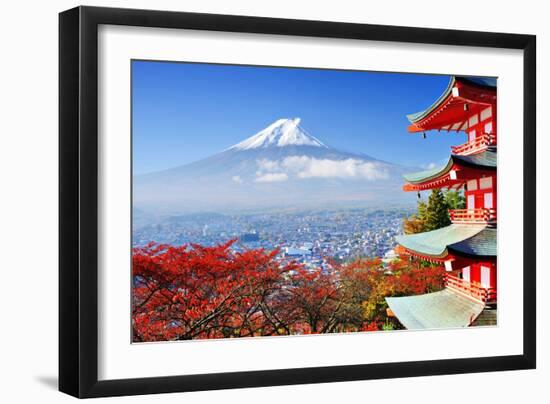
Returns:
point(194, 292)
point(204, 292)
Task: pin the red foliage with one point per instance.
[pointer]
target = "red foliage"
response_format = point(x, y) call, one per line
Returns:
point(369, 326)
point(203, 292)
point(314, 300)
point(194, 291)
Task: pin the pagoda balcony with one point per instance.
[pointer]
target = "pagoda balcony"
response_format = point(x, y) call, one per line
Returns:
point(480, 143)
point(473, 216)
point(471, 289)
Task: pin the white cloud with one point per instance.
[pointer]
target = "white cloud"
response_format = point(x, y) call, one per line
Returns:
point(271, 177)
point(309, 167)
point(237, 179)
point(268, 165)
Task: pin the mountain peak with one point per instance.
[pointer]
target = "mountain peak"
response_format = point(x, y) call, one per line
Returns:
point(283, 132)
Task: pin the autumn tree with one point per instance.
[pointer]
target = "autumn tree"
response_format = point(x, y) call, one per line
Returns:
point(211, 292)
point(204, 292)
point(316, 300)
point(416, 223)
point(361, 279)
point(193, 291)
point(399, 278)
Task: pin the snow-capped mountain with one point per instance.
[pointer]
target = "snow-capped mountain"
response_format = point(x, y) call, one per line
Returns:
point(280, 166)
point(283, 132)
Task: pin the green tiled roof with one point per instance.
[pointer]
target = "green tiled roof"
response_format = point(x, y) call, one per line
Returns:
point(487, 82)
point(483, 243)
point(421, 176)
point(435, 242)
point(444, 309)
point(486, 159)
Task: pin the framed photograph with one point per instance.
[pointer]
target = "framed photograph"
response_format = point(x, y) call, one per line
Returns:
point(251, 201)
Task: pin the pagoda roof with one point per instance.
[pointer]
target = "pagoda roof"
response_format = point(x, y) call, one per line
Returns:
point(464, 239)
point(417, 116)
point(447, 112)
point(483, 244)
point(486, 160)
point(422, 176)
point(488, 82)
point(443, 309)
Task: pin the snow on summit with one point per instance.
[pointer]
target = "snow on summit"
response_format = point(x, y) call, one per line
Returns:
point(283, 132)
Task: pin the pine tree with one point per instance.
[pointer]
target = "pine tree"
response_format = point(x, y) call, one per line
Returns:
point(437, 211)
point(455, 200)
point(422, 208)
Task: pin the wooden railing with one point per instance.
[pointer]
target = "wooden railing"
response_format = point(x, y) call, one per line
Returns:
point(478, 144)
point(481, 215)
point(475, 290)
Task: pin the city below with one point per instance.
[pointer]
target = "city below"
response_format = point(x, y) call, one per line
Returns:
point(313, 238)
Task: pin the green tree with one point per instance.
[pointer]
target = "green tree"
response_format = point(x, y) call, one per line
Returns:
point(455, 200)
point(422, 209)
point(437, 211)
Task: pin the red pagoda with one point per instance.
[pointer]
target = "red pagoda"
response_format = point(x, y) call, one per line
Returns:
point(467, 247)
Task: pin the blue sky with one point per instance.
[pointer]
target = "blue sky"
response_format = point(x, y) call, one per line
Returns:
point(183, 112)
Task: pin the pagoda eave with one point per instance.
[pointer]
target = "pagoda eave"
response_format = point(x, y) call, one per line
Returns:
point(443, 309)
point(454, 178)
point(450, 258)
point(447, 113)
point(434, 244)
point(457, 171)
point(436, 259)
point(471, 95)
point(441, 182)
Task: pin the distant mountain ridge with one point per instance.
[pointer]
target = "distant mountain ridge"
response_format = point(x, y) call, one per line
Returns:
point(280, 166)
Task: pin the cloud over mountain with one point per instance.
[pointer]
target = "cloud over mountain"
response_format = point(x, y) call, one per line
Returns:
point(311, 167)
point(281, 165)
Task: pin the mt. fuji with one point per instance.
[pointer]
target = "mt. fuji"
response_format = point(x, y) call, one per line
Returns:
point(282, 166)
point(283, 132)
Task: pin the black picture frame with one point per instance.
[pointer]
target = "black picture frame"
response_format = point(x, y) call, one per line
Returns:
point(78, 206)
